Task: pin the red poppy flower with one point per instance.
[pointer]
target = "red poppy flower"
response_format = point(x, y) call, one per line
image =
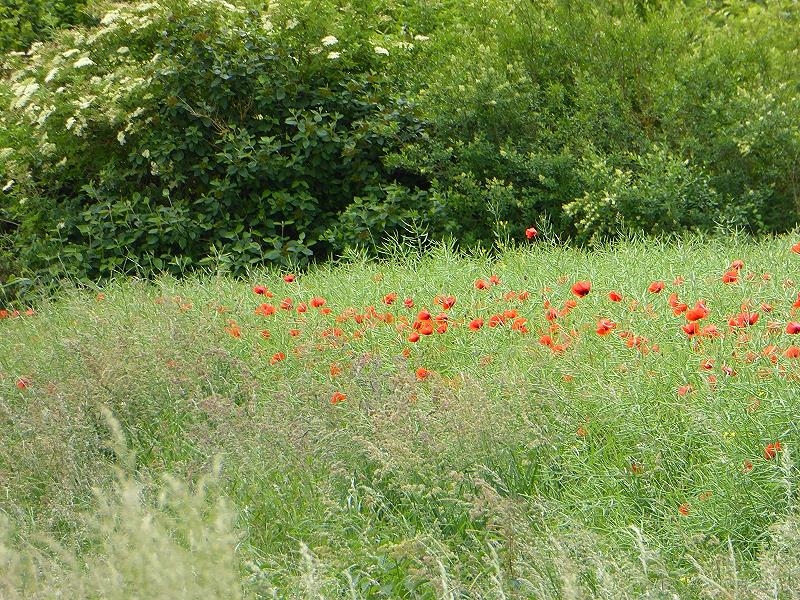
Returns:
point(408, 303)
point(683, 509)
point(771, 450)
point(422, 373)
point(796, 248)
point(737, 265)
point(793, 328)
point(286, 304)
point(743, 319)
point(441, 328)
point(614, 296)
point(496, 320)
point(792, 352)
point(655, 287)
point(389, 298)
point(289, 278)
point(233, 329)
point(685, 389)
point(710, 331)
point(707, 364)
point(605, 326)
point(476, 324)
point(691, 328)
point(426, 328)
point(581, 288)
point(265, 310)
point(277, 357)
point(531, 233)
point(494, 280)
point(338, 397)
point(731, 276)
point(520, 324)
point(447, 302)
point(262, 291)
point(23, 383)
point(317, 301)
point(302, 307)
point(551, 314)
point(294, 332)
point(413, 338)
point(480, 284)
point(698, 312)
point(747, 466)
point(264, 333)
point(424, 315)
point(677, 306)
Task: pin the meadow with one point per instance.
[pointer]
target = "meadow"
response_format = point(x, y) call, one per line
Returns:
point(546, 422)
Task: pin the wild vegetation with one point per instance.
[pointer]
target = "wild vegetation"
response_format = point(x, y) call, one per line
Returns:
point(182, 134)
point(550, 423)
point(399, 299)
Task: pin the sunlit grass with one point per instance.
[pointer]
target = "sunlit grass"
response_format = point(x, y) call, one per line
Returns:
point(470, 463)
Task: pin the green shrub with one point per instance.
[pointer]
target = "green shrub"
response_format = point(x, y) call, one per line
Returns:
point(525, 97)
point(657, 193)
point(23, 22)
point(185, 134)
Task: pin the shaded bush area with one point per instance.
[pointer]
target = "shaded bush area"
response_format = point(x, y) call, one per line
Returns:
point(23, 22)
point(183, 134)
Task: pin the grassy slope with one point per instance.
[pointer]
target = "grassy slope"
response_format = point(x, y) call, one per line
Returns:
point(509, 471)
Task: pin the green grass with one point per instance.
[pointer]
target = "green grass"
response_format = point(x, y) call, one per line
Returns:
point(152, 452)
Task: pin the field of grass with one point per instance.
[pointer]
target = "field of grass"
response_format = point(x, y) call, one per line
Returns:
point(427, 426)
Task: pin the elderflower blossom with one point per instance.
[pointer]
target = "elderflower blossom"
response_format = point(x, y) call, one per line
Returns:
point(329, 40)
point(84, 61)
point(381, 50)
point(333, 55)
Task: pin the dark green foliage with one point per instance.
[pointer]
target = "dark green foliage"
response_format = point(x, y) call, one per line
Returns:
point(246, 147)
point(689, 111)
point(210, 135)
point(23, 22)
point(252, 152)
